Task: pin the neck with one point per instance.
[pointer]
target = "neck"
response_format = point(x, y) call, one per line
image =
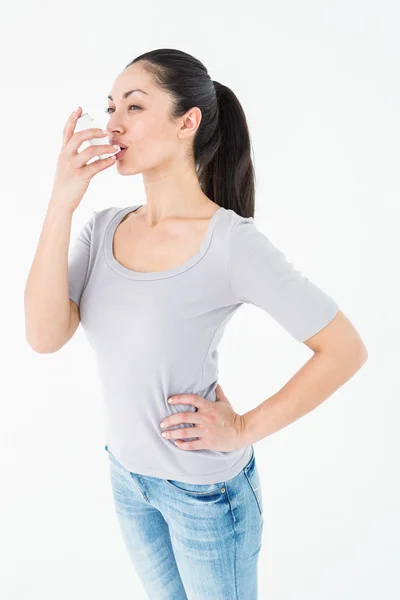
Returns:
point(174, 192)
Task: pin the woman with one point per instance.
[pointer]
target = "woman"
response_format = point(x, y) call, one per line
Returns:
point(154, 286)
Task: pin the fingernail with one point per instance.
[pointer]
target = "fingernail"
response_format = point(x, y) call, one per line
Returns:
point(105, 131)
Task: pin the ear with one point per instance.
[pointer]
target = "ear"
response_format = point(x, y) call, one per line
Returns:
point(189, 123)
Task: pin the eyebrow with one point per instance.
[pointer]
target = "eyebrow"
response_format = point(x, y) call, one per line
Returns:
point(128, 94)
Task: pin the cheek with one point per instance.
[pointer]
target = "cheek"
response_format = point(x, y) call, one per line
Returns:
point(153, 141)
point(156, 153)
point(146, 127)
point(149, 154)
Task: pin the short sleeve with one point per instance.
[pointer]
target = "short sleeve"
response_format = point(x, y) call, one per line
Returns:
point(78, 260)
point(260, 274)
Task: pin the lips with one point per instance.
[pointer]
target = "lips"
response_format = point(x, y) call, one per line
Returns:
point(121, 153)
point(114, 141)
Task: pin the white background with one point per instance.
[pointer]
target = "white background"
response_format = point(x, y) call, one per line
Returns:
point(319, 83)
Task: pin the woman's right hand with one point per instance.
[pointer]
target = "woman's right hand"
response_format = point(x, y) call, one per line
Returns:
point(73, 175)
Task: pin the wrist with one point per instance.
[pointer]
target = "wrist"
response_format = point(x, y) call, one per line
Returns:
point(244, 430)
point(56, 206)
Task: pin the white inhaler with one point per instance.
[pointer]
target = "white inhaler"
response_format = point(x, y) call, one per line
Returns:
point(86, 122)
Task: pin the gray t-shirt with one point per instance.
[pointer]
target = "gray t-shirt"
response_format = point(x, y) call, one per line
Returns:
point(157, 334)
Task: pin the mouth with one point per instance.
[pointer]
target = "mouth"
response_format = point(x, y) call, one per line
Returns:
point(121, 153)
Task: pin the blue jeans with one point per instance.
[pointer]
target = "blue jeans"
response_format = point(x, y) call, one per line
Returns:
point(191, 541)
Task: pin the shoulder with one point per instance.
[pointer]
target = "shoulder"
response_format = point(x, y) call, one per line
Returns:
point(244, 235)
point(100, 219)
point(234, 225)
point(235, 220)
point(95, 225)
point(106, 214)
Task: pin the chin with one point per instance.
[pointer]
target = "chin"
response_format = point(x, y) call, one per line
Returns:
point(126, 169)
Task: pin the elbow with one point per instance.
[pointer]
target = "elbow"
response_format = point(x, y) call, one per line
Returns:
point(348, 355)
point(342, 340)
point(357, 348)
point(42, 348)
point(363, 354)
point(360, 356)
point(355, 355)
point(43, 342)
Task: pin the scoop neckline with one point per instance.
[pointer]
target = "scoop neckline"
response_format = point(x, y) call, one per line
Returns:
point(117, 267)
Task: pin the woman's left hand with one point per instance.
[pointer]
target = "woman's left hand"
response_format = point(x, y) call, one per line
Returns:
point(216, 424)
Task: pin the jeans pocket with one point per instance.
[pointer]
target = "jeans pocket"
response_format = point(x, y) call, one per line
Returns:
point(253, 478)
point(197, 489)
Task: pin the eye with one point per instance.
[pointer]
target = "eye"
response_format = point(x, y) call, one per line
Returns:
point(107, 110)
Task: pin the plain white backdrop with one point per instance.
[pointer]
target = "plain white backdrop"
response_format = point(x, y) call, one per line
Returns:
point(319, 84)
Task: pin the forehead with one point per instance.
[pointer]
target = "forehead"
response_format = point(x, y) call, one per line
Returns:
point(133, 80)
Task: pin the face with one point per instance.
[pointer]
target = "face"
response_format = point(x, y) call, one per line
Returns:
point(144, 124)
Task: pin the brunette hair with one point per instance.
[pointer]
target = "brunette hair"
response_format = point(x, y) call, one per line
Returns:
point(222, 145)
